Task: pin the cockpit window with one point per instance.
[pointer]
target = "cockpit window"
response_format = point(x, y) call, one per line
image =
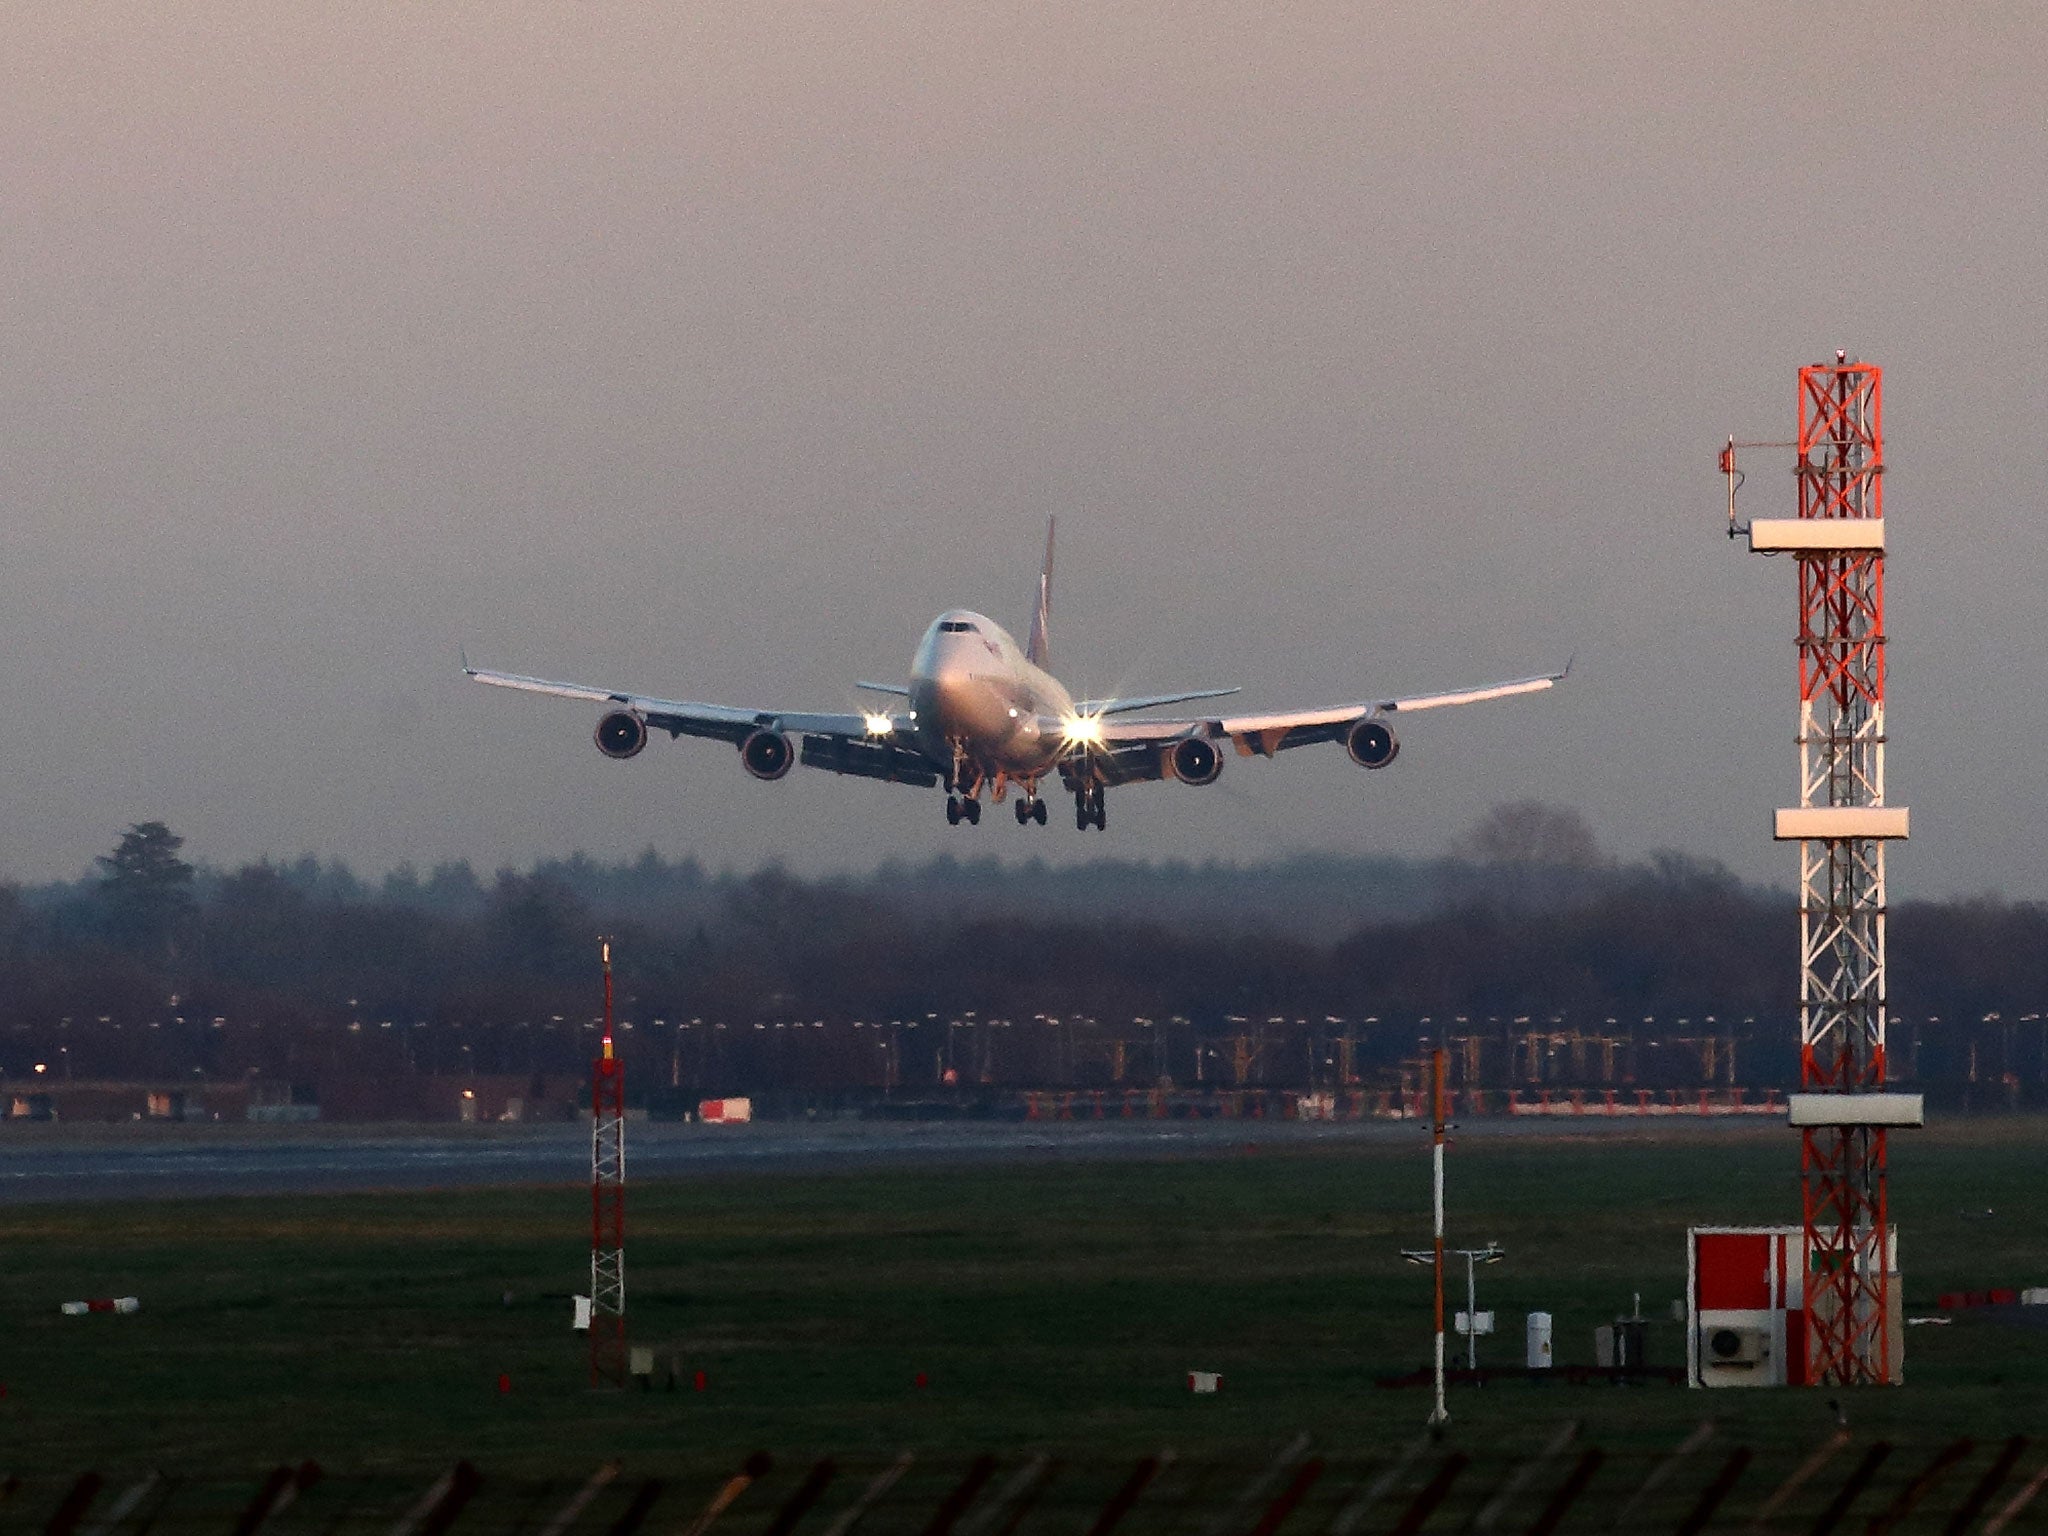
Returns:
point(956, 627)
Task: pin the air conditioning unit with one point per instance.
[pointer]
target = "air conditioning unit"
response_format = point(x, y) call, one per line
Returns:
point(1741, 1348)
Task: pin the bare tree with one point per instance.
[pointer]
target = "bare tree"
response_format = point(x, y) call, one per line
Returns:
point(1530, 832)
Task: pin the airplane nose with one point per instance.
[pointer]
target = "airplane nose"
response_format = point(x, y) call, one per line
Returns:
point(952, 692)
point(966, 705)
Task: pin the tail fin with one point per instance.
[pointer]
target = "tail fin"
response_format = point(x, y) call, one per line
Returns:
point(1041, 621)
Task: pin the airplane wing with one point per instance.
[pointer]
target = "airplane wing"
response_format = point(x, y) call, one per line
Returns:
point(876, 746)
point(1094, 707)
point(1263, 735)
point(1130, 747)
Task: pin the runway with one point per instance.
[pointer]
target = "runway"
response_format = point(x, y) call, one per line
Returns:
point(74, 1163)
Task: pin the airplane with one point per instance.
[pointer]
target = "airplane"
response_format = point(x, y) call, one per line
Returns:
point(983, 715)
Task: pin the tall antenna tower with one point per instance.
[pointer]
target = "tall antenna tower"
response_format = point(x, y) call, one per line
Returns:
point(607, 1205)
point(1841, 824)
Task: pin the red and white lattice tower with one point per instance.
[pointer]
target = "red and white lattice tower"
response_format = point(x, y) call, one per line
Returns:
point(607, 1206)
point(1851, 1299)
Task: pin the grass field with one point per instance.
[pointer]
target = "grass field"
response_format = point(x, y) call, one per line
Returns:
point(1051, 1306)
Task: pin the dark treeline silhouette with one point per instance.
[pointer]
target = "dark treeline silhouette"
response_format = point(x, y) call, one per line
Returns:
point(1537, 958)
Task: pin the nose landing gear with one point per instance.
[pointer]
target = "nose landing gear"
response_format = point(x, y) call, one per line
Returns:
point(964, 783)
point(1032, 809)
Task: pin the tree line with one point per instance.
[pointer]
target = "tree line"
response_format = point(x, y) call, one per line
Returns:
point(156, 967)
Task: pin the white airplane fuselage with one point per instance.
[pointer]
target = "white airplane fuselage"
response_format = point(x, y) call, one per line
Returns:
point(975, 699)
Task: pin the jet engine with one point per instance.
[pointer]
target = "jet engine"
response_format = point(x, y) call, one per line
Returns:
point(621, 734)
point(1371, 744)
point(1194, 761)
point(767, 754)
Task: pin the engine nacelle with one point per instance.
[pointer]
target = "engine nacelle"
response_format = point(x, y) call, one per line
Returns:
point(767, 755)
point(1372, 744)
point(621, 734)
point(1194, 761)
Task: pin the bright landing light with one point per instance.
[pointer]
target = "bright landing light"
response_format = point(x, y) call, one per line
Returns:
point(880, 725)
point(1083, 730)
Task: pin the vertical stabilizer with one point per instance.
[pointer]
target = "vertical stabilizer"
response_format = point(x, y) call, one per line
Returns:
point(1041, 618)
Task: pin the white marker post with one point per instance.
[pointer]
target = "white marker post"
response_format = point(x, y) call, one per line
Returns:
point(1442, 1413)
point(1434, 1254)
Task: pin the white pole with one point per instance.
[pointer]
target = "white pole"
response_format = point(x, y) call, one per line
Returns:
point(1471, 1312)
point(1442, 1412)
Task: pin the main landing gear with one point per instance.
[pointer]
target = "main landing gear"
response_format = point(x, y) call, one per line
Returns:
point(1088, 810)
point(961, 808)
point(965, 781)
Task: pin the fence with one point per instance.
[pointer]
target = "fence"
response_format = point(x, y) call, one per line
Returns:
point(1705, 1483)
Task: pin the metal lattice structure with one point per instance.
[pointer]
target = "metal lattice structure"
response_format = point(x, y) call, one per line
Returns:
point(1842, 903)
point(1841, 825)
point(608, 1360)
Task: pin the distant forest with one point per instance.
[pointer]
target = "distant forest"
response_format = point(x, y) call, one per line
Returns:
point(155, 968)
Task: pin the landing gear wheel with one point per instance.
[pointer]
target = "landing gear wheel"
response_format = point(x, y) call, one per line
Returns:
point(971, 809)
point(1038, 812)
point(1088, 811)
point(952, 812)
point(1023, 812)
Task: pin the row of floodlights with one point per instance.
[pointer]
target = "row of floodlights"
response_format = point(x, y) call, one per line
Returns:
point(970, 1021)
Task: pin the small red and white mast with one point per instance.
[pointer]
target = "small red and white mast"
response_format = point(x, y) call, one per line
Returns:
point(607, 1204)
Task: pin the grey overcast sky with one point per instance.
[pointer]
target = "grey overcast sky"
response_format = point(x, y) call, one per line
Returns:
point(711, 349)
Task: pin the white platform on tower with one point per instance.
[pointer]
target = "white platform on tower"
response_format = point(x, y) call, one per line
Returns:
point(1815, 535)
point(1822, 823)
point(1896, 1111)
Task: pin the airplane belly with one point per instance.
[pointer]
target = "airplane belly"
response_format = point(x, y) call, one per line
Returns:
point(972, 711)
point(1024, 751)
point(978, 714)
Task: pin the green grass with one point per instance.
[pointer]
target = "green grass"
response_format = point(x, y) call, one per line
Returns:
point(1053, 1305)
